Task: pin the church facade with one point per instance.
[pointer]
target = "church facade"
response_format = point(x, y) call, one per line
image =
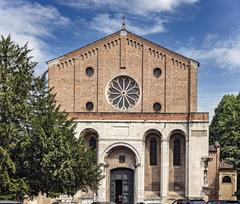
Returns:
point(135, 102)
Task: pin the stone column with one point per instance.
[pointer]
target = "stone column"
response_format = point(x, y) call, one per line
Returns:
point(164, 169)
point(102, 186)
point(139, 183)
point(187, 193)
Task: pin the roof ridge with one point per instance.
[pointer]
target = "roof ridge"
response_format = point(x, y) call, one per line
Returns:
point(138, 36)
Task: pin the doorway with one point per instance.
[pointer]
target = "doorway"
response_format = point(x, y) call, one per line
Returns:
point(122, 186)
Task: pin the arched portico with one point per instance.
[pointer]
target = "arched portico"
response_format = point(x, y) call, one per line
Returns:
point(121, 163)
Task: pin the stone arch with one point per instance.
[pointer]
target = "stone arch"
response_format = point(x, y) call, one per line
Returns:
point(177, 161)
point(151, 131)
point(226, 179)
point(152, 163)
point(89, 130)
point(90, 137)
point(120, 157)
point(227, 186)
point(110, 159)
point(177, 131)
point(86, 135)
point(118, 145)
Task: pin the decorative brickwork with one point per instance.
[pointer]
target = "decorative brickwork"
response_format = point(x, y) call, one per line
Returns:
point(128, 55)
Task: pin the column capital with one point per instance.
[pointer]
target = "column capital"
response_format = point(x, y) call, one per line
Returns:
point(137, 164)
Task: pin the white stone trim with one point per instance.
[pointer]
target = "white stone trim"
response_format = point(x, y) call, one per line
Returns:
point(120, 144)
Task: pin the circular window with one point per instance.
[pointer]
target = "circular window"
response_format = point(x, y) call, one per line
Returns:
point(157, 72)
point(157, 107)
point(123, 92)
point(89, 71)
point(89, 106)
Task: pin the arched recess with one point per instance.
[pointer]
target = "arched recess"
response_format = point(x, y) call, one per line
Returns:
point(119, 156)
point(119, 145)
point(177, 162)
point(227, 188)
point(177, 131)
point(90, 136)
point(152, 163)
point(226, 179)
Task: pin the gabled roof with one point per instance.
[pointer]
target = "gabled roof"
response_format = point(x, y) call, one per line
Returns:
point(164, 48)
point(92, 43)
point(224, 165)
point(118, 33)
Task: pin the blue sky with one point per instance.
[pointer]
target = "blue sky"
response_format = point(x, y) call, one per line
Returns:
point(205, 30)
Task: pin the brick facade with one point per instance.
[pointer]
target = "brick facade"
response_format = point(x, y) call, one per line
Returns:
point(175, 89)
point(129, 132)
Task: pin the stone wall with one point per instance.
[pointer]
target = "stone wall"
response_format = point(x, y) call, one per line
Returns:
point(132, 135)
point(227, 189)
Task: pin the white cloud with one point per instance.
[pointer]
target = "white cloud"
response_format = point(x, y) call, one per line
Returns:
point(32, 23)
point(108, 24)
point(140, 9)
point(224, 52)
point(132, 6)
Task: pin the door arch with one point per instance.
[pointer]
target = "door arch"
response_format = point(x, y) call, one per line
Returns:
point(122, 186)
point(120, 156)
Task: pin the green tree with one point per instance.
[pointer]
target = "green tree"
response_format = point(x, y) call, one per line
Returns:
point(59, 163)
point(38, 148)
point(225, 128)
point(16, 73)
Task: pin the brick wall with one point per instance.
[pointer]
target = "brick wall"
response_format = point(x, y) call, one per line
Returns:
point(175, 89)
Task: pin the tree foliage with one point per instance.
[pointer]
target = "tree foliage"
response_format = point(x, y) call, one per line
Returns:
point(16, 73)
point(38, 148)
point(225, 128)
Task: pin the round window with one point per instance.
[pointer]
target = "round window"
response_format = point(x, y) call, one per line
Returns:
point(89, 106)
point(157, 72)
point(123, 92)
point(157, 107)
point(89, 71)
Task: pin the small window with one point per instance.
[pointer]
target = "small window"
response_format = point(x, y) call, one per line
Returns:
point(157, 107)
point(177, 152)
point(153, 152)
point(89, 71)
point(93, 143)
point(226, 179)
point(89, 106)
point(157, 72)
point(121, 159)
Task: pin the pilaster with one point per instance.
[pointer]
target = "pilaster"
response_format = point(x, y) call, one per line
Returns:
point(164, 169)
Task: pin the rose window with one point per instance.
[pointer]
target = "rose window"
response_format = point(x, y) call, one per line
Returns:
point(123, 92)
